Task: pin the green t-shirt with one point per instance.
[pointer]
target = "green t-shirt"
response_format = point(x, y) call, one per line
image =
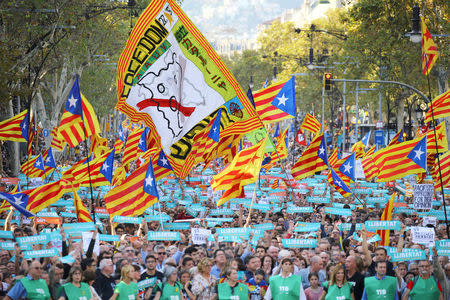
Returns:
point(169, 292)
point(36, 289)
point(126, 291)
point(238, 292)
point(380, 289)
point(285, 288)
point(338, 293)
point(77, 293)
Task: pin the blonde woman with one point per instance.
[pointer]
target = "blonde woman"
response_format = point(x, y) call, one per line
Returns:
point(203, 283)
point(127, 289)
point(338, 288)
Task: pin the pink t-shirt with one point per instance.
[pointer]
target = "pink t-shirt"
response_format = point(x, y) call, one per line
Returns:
point(313, 295)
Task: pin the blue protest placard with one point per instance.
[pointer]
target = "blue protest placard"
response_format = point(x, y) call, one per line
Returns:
point(338, 211)
point(6, 234)
point(406, 256)
point(127, 220)
point(108, 238)
point(382, 225)
point(32, 240)
point(299, 243)
point(41, 253)
point(306, 227)
point(177, 226)
point(299, 210)
point(163, 236)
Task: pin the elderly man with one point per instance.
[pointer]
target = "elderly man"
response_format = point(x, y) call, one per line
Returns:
point(104, 284)
point(354, 277)
point(423, 286)
point(315, 267)
point(30, 287)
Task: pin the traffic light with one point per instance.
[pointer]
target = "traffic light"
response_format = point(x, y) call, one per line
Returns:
point(327, 81)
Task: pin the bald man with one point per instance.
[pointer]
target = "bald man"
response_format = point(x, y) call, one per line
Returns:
point(30, 287)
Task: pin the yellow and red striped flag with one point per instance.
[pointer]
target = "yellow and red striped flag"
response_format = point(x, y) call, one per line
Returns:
point(441, 134)
point(99, 145)
point(339, 183)
point(359, 149)
point(276, 102)
point(91, 175)
point(398, 138)
point(30, 170)
point(47, 194)
point(129, 198)
point(386, 216)
point(78, 120)
point(440, 107)
point(444, 159)
point(130, 151)
point(369, 167)
point(275, 185)
point(312, 160)
point(161, 165)
point(310, 123)
point(83, 214)
point(243, 170)
point(393, 161)
point(57, 141)
point(429, 50)
point(13, 128)
point(281, 148)
point(334, 158)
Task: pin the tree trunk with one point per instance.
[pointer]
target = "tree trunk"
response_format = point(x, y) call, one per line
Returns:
point(14, 148)
point(400, 111)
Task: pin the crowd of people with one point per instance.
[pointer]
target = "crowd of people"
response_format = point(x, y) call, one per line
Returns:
point(345, 264)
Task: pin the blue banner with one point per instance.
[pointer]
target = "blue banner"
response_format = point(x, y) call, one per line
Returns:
point(299, 243)
point(406, 256)
point(382, 225)
point(127, 220)
point(163, 236)
point(41, 253)
point(299, 210)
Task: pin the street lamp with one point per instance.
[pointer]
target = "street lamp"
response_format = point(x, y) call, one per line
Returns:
point(415, 35)
point(250, 84)
point(310, 64)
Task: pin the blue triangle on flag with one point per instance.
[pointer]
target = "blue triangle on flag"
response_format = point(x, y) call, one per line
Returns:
point(322, 152)
point(401, 137)
point(73, 103)
point(163, 162)
point(49, 160)
point(285, 99)
point(39, 163)
point(143, 140)
point(339, 182)
point(150, 182)
point(277, 131)
point(250, 96)
point(214, 133)
point(107, 166)
point(19, 201)
point(348, 167)
point(419, 153)
point(365, 139)
point(25, 126)
point(121, 133)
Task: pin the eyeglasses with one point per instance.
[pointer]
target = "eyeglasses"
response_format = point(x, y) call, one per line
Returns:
point(161, 253)
point(129, 250)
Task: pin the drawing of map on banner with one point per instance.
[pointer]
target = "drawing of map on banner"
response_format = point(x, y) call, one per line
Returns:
point(171, 78)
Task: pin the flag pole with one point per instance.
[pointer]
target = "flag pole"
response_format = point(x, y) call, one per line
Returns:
point(437, 149)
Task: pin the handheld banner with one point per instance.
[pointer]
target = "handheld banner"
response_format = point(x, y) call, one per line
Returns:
point(406, 256)
point(299, 243)
point(41, 253)
point(127, 220)
point(382, 225)
point(163, 236)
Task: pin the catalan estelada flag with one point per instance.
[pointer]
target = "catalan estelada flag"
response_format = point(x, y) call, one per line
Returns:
point(99, 145)
point(243, 170)
point(440, 107)
point(313, 160)
point(130, 151)
point(161, 165)
point(334, 158)
point(359, 149)
point(57, 142)
point(338, 183)
point(276, 102)
point(281, 148)
point(78, 120)
point(429, 50)
point(47, 194)
point(275, 185)
point(369, 167)
point(310, 123)
point(29, 169)
point(129, 198)
point(441, 134)
point(398, 138)
point(16, 128)
point(91, 174)
point(83, 214)
point(402, 159)
point(386, 216)
point(444, 159)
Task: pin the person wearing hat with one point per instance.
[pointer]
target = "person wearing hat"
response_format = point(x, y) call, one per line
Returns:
point(170, 288)
point(231, 288)
point(286, 286)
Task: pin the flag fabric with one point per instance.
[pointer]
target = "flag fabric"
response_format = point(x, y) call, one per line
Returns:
point(49, 159)
point(177, 84)
point(401, 159)
point(16, 128)
point(359, 149)
point(30, 170)
point(429, 50)
point(398, 138)
point(338, 183)
point(243, 170)
point(250, 96)
point(334, 158)
point(348, 167)
point(366, 138)
point(150, 182)
point(130, 151)
point(275, 185)
point(81, 211)
point(441, 134)
point(107, 167)
point(129, 198)
point(281, 148)
point(314, 159)
point(99, 145)
point(57, 141)
point(276, 102)
point(47, 194)
point(39, 164)
point(90, 173)
point(439, 107)
point(161, 165)
point(444, 161)
point(310, 123)
point(300, 138)
point(19, 201)
point(386, 216)
point(142, 145)
point(214, 134)
point(78, 120)
point(369, 167)
point(277, 131)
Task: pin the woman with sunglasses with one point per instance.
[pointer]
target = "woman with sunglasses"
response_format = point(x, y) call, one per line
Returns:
point(231, 288)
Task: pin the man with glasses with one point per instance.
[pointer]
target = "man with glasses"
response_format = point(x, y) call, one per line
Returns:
point(161, 257)
point(153, 274)
point(423, 286)
point(129, 254)
point(30, 287)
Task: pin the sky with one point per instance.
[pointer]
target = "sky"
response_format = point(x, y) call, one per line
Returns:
point(239, 18)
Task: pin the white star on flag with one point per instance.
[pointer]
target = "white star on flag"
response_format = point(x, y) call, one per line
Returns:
point(105, 167)
point(321, 150)
point(215, 128)
point(339, 183)
point(282, 100)
point(164, 161)
point(347, 167)
point(47, 159)
point(72, 101)
point(38, 163)
point(418, 153)
point(18, 201)
point(149, 181)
